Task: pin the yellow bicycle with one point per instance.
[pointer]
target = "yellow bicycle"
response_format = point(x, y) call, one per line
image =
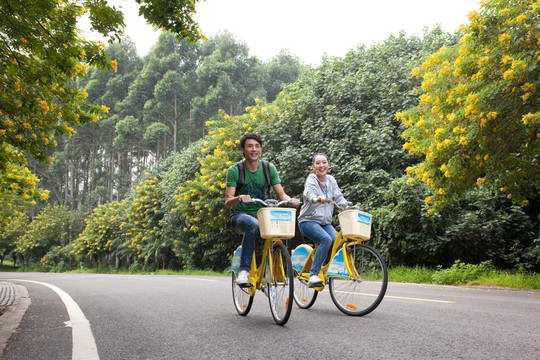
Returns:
point(356, 274)
point(274, 276)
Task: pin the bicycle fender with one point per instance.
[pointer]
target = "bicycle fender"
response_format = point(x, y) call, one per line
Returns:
point(299, 256)
point(337, 266)
point(235, 265)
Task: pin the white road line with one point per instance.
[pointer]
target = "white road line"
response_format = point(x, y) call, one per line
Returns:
point(195, 278)
point(84, 345)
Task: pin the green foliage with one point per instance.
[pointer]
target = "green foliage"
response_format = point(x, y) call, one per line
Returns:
point(176, 17)
point(345, 108)
point(472, 97)
point(100, 236)
point(49, 229)
point(462, 273)
point(416, 274)
point(11, 233)
point(484, 225)
point(54, 259)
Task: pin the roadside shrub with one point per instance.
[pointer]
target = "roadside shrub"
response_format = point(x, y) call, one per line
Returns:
point(462, 273)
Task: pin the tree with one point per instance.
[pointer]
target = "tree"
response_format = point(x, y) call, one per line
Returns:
point(282, 69)
point(345, 108)
point(41, 52)
point(50, 228)
point(478, 121)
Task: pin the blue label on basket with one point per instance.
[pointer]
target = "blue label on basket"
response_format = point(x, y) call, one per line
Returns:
point(280, 215)
point(364, 219)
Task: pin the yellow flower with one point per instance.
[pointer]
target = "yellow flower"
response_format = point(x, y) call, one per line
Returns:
point(503, 38)
point(527, 118)
point(480, 181)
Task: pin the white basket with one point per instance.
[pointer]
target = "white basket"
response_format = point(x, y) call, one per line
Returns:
point(355, 224)
point(277, 222)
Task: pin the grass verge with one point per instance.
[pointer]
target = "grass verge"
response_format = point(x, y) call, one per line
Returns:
point(483, 274)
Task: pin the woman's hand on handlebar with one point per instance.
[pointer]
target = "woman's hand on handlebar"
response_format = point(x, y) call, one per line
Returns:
point(320, 200)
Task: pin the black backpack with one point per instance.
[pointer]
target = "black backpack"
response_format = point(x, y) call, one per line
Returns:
point(242, 176)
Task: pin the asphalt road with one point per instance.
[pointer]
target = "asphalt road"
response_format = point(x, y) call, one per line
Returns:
point(193, 317)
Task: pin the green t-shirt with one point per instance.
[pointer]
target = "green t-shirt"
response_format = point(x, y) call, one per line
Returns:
point(254, 185)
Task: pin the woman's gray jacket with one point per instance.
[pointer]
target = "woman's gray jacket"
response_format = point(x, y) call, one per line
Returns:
point(320, 213)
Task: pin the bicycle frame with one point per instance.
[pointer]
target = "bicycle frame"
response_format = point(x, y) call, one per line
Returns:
point(257, 274)
point(337, 262)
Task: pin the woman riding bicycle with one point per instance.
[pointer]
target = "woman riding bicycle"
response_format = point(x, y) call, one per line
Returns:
point(315, 219)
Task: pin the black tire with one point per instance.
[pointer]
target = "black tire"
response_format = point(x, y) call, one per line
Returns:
point(281, 286)
point(362, 292)
point(241, 297)
point(304, 296)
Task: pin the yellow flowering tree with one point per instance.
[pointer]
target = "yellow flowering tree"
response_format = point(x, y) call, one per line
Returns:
point(17, 188)
point(11, 233)
point(143, 234)
point(478, 120)
point(200, 200)
point(50, 228)
point(42, 51)
point(101, 238)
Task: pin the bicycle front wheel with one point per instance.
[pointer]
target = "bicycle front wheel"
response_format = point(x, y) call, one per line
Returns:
point(364, 290)
point(304, 296)
point(241, 297)
point(281, 286)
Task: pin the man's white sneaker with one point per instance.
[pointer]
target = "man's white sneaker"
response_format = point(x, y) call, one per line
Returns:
point(314, 280)
point(243, 278)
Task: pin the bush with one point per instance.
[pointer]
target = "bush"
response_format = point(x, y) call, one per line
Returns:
point(462, 273)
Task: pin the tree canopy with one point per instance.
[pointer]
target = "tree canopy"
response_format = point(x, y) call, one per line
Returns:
point(478, 120)
point(41, 53)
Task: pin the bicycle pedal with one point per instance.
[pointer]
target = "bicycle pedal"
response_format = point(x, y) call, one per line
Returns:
point(316, 285)
point(245, 286)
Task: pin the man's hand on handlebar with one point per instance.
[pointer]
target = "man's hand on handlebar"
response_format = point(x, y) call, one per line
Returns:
point(294, 202)
point(244, 199)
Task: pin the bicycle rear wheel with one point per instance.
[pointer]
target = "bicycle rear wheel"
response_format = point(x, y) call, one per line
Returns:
point(281, 287)
point(241, 297)
point(304, 296)
point(364, 290)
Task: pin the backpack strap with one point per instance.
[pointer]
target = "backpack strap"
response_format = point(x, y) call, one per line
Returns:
point(266, 169)
point(242, 176)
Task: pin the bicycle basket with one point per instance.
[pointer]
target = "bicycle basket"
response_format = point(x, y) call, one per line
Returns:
point(277, 222)
point(355, 224)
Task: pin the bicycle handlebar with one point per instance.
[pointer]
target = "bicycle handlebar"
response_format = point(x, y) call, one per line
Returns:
point(272, 202)
point(343, 206)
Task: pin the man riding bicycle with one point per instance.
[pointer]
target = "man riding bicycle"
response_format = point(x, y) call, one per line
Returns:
point(246, 180)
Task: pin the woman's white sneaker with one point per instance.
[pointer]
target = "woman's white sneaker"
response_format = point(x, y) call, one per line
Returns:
point(314, 280)
point(243, 278)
